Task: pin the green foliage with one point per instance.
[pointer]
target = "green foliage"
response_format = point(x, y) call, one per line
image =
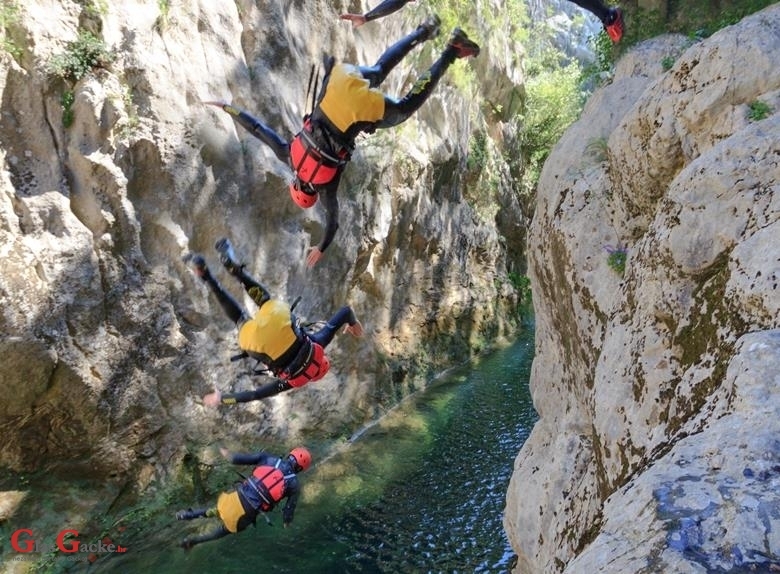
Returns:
point(9, 16)
point(94, 8)
point(617, 259)
point(641, 24)
point(161, 23)
point(81, 56)
point(66, 101)
point(667, 62)
point(695, 18)
point(478, 153)
point(522, 285)
point(712, 16)
point(604, 52)
point(758, 110)
point(553, 101)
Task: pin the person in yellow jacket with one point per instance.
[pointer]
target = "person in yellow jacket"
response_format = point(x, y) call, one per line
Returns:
point(349, 103)
point(273, 335)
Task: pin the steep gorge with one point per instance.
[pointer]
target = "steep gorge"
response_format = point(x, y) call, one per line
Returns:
point(108, 341)
point(656, 448)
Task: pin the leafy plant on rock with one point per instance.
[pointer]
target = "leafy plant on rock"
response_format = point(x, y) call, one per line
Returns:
point(617, 258)
point(758, 110)
point(81, 56)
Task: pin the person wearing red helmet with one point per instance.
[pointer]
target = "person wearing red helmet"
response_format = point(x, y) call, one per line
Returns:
point(273, 335)
point(272, 480)
point(349, 103)
point(611, 16)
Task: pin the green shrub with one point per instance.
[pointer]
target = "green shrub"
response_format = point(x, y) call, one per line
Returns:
point(553, 101)
point(758, 110)
point(9, 16)
point(521, 284)
point(617, 259)
point(66, 101)
point(81, 56)
point(94, 8)
point(667, 63)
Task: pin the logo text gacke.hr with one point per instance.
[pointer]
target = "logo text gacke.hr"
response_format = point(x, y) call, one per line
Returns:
point(23, 541)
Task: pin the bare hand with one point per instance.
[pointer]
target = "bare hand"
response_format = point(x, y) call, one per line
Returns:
point(314, 256)
point(225, 453)
point(218, 103)
point(357, 19)
point(355, 330)
point(213, 399)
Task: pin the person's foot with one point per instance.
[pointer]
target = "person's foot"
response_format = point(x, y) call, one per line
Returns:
point(614, 24)
point(227, 256)
point(463, 46)
point(197, 263)
point(431, 26)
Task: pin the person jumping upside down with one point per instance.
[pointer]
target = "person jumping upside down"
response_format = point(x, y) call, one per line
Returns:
point(273, 336)
point(273, 479)
point(349, 103)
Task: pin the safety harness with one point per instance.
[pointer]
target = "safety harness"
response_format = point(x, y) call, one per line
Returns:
point(311, 163)
point(313, 365)
point(268, 482)
point(309, 363)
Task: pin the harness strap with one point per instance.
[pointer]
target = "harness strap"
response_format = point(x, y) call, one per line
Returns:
point(312, 145)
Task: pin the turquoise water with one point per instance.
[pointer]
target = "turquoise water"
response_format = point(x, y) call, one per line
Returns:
point(422, 491)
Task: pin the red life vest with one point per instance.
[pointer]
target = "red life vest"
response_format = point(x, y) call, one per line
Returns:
point(314, 368)
point(311, 164)
point(268, 481)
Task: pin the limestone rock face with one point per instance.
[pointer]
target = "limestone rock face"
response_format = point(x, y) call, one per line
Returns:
point(107, 340)
point(655, 450)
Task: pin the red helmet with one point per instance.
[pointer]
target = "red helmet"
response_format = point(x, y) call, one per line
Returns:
point(303, 195)
point(302, 457)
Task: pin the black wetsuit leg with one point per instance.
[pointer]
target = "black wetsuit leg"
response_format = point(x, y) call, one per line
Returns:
point(397, 111)
point(385, 8)
point(269, 137)
point(192, 514)
point(377, 73)
point(325, 335)
point(213, 535)
point(596, 7)
point(256, 290)
point(232, 308)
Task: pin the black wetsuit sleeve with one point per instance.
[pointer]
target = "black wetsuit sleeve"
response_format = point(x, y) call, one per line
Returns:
point(268, 390)
point(292, 492)
point(385, 8)
point(261, 131)
point(247, 458)
point(330, 202)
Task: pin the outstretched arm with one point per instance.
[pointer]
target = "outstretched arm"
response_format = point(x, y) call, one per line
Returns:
point(268, 390)
point(385, 8)
point(330, 202)
point(269, 137)
point(245, 458)
point(292, 492)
